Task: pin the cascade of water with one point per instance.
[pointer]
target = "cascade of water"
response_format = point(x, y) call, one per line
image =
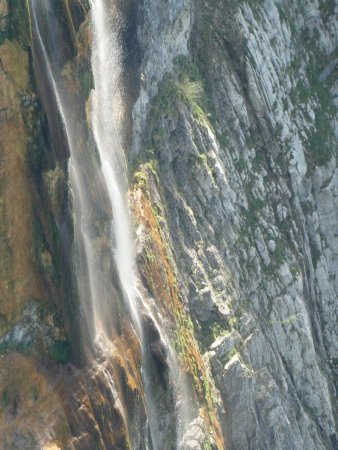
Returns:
point(107, 116)
point(107, 120)
point(94, 285)
point(110, 186)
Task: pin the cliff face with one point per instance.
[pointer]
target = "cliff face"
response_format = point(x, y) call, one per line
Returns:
point(52, 395)
point(238, 123)
point(231, 131)
point(30, 325)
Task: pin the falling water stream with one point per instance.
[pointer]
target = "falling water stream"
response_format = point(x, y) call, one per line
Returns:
point(107, 120)
point(106, 184)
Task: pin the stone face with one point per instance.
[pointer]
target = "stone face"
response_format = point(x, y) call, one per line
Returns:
point(164, 29)
point(3, 15)
point(250, 193)
point(195, 436)
point(3, 8)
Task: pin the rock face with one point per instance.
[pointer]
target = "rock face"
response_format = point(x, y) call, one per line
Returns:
point(53, 393)
point(237, 115)
point(234, 189)
point(32, 332)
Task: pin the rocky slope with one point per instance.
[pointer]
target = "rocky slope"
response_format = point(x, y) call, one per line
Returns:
point(231, 130)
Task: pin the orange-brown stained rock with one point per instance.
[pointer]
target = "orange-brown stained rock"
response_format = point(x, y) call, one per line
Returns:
point(19, 280)
point(29, 404)
point(3, 8)
point(159, 275)
point(99, 401)
point(69, 408)
point(28, 401)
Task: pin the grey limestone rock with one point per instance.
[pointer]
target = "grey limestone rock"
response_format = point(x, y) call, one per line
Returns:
point(253, 205)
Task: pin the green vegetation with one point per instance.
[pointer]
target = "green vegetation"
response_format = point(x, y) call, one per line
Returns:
point(207, 444)
point(320, 143)
point(321, 140)
point(302, 92)
point(5, 398)
point(192, 93)
point(288, 321)
point(9, 399)
point(252, 214)
point(57, 248)
point(38, 153)
point(279, 253)
point(18, 22)
point(184, 85)
point(6, 253)
point(295, 270)
point(233, 321)
point(39, 244)
point(164, 102)
point(307, 208)
point(232, 353)
point(217, 330)
point(315, 254)
point(241, 165)
point(327, 9)
point(59, 351)
point(19, 347)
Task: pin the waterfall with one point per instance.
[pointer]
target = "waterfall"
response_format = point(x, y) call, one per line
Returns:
point(107, 120)
point(104, 250)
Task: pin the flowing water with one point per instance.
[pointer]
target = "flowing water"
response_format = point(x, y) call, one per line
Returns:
point(107, 114)
point(104, 253)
